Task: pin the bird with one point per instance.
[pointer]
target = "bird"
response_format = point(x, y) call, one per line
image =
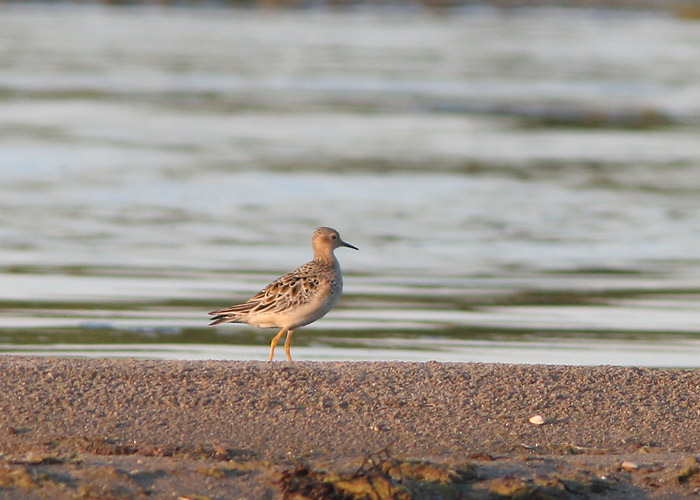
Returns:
point(297, 298)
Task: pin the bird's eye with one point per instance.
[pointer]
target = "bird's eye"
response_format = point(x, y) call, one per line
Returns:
point(334, 237)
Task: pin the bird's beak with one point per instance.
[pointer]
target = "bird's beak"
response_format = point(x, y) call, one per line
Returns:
point(342, 243)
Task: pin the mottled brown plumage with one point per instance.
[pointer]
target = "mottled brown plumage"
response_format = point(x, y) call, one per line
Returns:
point(295, 299)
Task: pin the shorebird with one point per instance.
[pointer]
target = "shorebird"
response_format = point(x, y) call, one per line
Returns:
point(295, 299)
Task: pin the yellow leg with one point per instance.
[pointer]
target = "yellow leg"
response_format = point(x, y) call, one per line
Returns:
point(288, 345)
point(273, 344)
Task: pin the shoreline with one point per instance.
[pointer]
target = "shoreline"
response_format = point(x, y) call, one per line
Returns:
point(130, 428)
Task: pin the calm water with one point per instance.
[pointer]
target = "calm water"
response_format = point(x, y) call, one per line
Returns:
point(524, 186)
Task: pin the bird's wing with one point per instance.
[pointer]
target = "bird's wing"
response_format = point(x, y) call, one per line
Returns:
point(288, 291)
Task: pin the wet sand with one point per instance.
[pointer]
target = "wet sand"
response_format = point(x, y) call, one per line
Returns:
point(101, 428)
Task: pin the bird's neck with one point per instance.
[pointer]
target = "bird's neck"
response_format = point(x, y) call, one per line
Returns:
point(327, 260)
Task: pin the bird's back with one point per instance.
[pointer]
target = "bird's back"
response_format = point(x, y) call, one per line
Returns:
point(293, 300)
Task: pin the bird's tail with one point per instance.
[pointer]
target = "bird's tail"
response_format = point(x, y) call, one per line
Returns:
point(221, 316)
point(233, 314)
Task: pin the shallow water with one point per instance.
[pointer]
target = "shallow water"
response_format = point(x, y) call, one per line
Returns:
point(523, 185)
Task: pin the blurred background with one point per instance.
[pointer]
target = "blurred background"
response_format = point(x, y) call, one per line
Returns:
point(522, 178)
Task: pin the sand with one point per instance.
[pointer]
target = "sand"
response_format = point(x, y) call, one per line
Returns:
point(103, 428)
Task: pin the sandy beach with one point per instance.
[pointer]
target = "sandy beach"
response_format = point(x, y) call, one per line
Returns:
point(103, 428)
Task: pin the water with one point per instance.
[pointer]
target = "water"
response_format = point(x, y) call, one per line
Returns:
point(523, 185)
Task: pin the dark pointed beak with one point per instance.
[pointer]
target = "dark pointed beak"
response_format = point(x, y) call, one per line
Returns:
point(348, 245)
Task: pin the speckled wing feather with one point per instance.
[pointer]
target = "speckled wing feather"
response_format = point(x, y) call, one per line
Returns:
point(286, 292)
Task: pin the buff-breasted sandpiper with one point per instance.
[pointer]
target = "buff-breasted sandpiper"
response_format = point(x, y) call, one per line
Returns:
point(295, 299)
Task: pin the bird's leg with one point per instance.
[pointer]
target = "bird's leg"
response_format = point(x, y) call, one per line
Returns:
point(288, 345)
point(273, 344)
